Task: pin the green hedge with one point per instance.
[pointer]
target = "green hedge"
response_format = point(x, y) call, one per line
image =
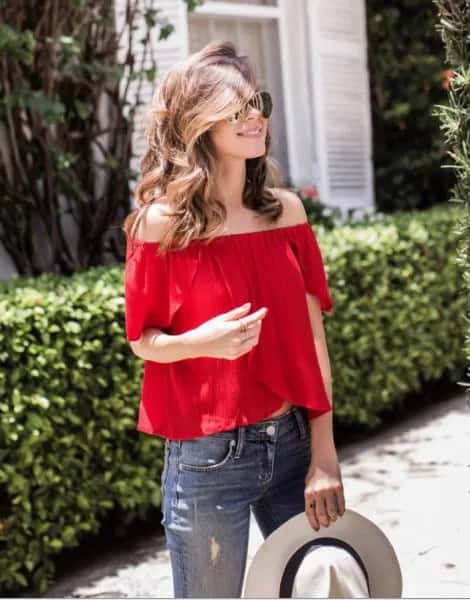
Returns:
point(69, 383)
point(69, 451)
point(399, 316)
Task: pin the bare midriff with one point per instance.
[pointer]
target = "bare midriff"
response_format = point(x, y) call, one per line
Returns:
point(280, 411)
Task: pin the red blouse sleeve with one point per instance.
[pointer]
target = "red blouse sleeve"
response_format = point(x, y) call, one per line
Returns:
point(310, 259)
point(146, 289)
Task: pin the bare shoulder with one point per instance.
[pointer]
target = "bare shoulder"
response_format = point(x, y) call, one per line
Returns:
point(294, 211)
point(151, 222)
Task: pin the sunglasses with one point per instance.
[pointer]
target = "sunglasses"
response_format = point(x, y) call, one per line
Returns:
point(262, 101)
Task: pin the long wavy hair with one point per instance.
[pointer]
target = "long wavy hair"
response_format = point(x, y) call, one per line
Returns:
point(179, 163)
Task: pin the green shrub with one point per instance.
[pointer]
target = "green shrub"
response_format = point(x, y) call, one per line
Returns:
point(399, 314)
point(407, 70)
point(69, 383)
point(69, 451)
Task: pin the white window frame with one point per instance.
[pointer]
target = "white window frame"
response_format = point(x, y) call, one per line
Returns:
point(237, 9)
point(296, 105)
point(298, 99)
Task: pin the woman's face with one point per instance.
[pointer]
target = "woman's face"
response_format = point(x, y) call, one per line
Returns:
point(244, 139)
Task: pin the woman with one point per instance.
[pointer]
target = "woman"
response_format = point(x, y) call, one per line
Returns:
point(242, 398)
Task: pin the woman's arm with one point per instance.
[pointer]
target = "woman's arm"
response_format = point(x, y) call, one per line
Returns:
point(154, 344)
point(324, 491)
point(158, 346)
point(321, 428)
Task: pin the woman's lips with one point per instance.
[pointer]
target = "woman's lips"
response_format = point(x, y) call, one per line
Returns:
point(251, 134)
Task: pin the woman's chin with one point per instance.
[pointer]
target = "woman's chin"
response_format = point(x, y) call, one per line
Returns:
point(256, 152)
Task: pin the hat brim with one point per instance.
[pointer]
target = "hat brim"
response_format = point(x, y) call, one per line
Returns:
point(263, 578)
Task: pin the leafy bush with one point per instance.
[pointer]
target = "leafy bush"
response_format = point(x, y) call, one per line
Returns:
point(454, 24)
point(69, 384)
point(71, 76)
point(317, 212)
point(399, 315)
point(408, 76)
point(69, 451)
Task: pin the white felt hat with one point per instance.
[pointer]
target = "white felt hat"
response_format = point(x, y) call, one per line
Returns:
point(351, 558)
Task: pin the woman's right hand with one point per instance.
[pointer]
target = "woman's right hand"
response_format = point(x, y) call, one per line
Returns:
point(220, 337)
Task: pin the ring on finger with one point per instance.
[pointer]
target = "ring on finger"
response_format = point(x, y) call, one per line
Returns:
point(243, 327)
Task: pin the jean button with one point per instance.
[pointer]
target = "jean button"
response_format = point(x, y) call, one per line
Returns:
point(270, 429)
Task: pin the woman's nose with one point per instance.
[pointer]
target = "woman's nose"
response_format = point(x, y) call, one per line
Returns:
point(254, 113)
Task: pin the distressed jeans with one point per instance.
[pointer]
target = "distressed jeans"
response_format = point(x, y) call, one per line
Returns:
point(209, 485)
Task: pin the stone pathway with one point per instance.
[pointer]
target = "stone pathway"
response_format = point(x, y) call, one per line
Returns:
point(412, 480)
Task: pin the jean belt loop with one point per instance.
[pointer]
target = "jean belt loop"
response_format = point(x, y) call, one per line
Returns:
point(239, 447)
point(302, 422)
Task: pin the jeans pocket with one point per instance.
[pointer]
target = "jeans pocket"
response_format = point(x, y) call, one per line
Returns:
point(207, 453)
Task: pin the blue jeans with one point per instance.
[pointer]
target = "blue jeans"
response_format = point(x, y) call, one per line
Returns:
point(209, 484)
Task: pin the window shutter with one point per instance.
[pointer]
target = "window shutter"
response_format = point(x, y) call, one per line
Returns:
point(341, 98)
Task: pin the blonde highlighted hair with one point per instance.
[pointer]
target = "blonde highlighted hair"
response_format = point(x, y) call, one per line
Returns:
point(179, 163)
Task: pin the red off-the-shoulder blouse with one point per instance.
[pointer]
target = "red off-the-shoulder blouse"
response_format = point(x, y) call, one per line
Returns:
point(179, 290)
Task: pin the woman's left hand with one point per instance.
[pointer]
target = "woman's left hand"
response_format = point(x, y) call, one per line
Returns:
point(324, 494)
